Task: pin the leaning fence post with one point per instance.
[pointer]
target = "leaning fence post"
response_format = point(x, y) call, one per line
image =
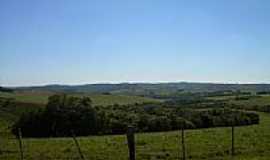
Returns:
point(232, 138)
point(183, 142)
point(0, 142)
point(131, 142)
point(78, 146)
point(20, 142)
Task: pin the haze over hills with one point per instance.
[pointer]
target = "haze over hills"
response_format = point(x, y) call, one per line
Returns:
point(148, 88)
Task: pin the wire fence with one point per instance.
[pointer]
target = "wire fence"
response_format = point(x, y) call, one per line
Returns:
point(131, 146)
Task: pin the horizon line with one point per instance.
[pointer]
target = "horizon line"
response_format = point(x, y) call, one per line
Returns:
point(133, 82)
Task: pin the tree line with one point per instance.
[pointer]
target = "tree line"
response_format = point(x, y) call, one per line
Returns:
point(66, 115)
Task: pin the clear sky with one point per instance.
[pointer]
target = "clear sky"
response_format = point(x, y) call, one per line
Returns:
point(87, 41)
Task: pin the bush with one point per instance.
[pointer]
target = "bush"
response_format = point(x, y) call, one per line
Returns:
point(63, 116)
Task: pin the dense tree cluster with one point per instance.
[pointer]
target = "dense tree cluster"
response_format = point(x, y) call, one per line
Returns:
point(65, 115)
point(259, 108)
point(154, 117)
point(62, 116)
point(2, 89)
point(263, 93)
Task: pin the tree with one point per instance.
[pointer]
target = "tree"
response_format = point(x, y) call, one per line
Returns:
point(62, 115)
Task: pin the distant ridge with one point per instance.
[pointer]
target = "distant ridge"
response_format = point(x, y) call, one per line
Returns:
point(4, 89)
point(148, 88)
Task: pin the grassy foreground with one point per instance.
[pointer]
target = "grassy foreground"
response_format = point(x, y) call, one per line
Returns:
point(252, 143)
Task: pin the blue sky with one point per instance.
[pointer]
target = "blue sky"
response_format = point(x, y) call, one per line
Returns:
point(84, 41)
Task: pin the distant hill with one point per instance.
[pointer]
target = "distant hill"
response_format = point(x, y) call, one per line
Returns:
point(3, 89)
point(148, 88)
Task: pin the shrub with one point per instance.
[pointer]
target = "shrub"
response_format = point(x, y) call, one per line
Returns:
point(62, 116)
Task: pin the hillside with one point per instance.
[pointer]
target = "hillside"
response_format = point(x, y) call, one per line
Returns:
point(23, 102)
point(252, 142)
point(98, 99)
point(148, 88)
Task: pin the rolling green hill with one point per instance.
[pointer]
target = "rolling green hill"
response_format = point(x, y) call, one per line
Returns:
point(29, 101)
point(98, 99)
point(257, 103)
point(149, 89)
point(252, 142)
point(258, 100)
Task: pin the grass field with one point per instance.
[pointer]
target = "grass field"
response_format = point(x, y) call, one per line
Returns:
point(259, 101)
point(252, 101)
point(252, 143)
point(42, 98)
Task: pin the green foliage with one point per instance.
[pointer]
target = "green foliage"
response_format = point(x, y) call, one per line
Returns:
point(11, 110)
point(254, 103)
point(98, 99)
point(251, 142)
point(62, 116)
point(3, 89)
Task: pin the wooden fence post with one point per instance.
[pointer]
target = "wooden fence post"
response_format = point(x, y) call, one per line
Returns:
point(232, 152)
point(20, 143)
point(183, 143)
point(131, 142)
point(77, 146)
point(0, 143)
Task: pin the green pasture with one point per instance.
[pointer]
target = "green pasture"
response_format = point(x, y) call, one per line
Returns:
point(98, 99)
point(251, 142)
